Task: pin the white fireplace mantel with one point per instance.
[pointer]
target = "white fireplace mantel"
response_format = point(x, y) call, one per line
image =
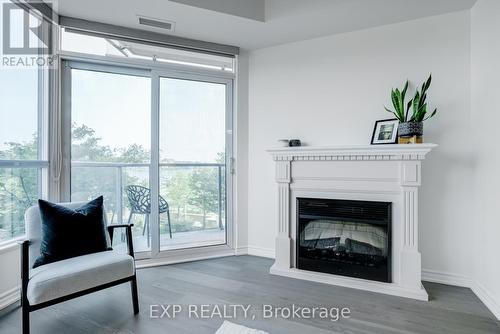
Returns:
point(388, 173)
point(358, 152)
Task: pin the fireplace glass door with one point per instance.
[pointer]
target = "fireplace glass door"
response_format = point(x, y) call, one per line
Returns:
point(348, 238)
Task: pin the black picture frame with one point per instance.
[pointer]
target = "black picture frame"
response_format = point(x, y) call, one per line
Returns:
point(394, 132)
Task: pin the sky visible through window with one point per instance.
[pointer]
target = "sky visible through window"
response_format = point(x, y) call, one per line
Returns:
point(192, 120)
point(118, 108)
point(18, 106)
point(18, 90)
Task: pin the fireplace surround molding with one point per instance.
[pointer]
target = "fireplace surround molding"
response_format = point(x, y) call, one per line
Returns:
point(385, 173)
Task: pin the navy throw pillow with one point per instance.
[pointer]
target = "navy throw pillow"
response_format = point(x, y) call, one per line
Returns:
point(68, 233)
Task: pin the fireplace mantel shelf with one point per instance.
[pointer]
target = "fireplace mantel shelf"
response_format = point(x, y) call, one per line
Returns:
point(353, 152)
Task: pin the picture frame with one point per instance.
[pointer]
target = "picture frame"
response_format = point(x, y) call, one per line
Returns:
point(385, 132)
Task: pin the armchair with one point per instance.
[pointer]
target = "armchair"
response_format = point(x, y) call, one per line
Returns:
point(60, 281)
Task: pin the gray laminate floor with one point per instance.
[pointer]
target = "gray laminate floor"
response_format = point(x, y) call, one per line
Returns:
point(245, 280)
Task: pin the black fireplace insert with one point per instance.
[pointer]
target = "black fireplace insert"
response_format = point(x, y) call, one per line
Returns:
point(344, 237)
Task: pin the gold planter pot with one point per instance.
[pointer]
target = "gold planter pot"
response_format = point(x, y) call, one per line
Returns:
point(411, 140)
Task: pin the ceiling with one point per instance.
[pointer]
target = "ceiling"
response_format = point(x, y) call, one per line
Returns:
point(241, 24)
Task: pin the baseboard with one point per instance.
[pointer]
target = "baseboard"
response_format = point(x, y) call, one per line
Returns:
point(10, 297)
point(242, 250)
point(261, 251)
point(255, 251)
point(446, 278)
point(195, 255)
point(485, 296)
point(458, 280)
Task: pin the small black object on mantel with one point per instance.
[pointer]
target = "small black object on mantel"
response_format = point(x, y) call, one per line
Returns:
point(294, 143)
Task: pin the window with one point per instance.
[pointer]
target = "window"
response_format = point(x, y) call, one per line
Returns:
point(152, 132)
point(23, 163)
point(114, 144)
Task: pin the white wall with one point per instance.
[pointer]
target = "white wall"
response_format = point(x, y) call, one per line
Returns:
point(241, 154)
point(10, 277)
point(485, 118)
point(330, 91)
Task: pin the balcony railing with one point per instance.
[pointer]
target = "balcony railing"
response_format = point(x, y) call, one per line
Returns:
point(119, 169)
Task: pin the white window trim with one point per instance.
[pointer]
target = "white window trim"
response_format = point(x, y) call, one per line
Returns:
point(10, 245)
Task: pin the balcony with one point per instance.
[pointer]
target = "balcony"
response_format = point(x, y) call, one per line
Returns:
point(195, 193)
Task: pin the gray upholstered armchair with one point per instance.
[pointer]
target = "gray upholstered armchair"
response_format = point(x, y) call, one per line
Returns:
point(57, 282)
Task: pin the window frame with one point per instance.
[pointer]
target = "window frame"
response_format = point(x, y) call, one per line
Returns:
point(155, 72)
point(229, 145)
point(144, 64)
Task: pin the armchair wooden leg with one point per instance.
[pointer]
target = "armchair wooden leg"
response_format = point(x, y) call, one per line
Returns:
point(135, 298)
point(24, 286)
point(26, 318)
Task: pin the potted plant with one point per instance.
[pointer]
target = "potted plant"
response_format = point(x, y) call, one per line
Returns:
point(411, 127)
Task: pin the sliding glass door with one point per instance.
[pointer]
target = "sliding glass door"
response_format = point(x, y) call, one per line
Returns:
point(192, 162)
point(156, 146)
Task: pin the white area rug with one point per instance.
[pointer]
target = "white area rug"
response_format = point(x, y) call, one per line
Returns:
point(230, 328)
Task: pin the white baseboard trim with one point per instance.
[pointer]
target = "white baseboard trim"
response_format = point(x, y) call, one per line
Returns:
point(179, 257)
point(458, 280)
point(242, 250)
point(446, 278)
point(10, 297)
point(483, 294)
point(261, 252)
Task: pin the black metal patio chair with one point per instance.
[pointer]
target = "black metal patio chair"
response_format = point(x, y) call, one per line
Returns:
point(139, 198)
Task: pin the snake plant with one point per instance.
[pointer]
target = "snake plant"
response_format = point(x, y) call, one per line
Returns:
point(419, 104)
point(401, 108)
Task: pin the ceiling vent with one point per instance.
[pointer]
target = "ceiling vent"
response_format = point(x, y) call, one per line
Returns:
point(156, 23)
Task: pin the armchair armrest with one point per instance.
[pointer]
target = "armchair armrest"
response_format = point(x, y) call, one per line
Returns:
point(24, 246)
point(25, 269)
point(113, 226)
point(23, 241)
point(128, 227)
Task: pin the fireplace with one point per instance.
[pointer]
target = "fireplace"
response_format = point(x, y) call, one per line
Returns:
point(344, 237)
point(389, 176)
